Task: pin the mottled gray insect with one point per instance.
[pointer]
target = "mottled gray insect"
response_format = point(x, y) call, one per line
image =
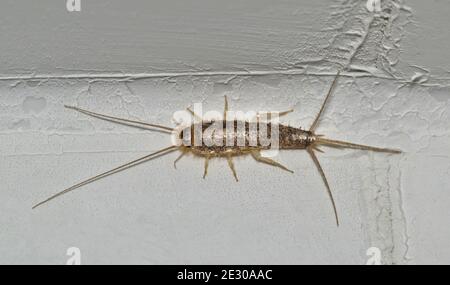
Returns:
point(289, 138)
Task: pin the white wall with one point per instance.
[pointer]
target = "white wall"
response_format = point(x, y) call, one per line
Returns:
point(147, 59)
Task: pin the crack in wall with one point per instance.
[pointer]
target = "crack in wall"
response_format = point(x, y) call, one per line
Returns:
point(364, 44)
point(138, 76)
point(403, 216)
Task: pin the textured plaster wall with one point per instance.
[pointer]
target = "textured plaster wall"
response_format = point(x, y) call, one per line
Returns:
point(146, 59)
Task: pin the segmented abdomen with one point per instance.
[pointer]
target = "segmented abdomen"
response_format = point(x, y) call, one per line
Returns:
point(216, 138)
